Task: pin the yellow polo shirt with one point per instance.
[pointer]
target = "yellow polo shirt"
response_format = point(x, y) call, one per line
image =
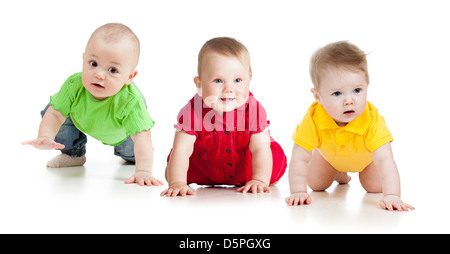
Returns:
point(349, 148)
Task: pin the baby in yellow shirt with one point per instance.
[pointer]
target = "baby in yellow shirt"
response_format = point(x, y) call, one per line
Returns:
point(342, 132)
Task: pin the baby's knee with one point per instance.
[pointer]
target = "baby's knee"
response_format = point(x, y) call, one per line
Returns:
point(319, 186)
point(165, 175)
point(370, 183)
point(371, 186)
point(372, 189)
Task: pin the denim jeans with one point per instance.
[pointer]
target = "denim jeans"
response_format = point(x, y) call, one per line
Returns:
point(75, 141)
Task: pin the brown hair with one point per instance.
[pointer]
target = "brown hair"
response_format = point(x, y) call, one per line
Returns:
point(226, 46)
point(341, 54)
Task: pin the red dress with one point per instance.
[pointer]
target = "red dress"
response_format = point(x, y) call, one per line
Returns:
point(221, 150)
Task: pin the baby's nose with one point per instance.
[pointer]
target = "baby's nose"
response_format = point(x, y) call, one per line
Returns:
point(228, 88)
point(100, 74)
point(348, 101)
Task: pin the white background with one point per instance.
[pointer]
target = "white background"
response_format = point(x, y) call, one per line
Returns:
point(42, 43)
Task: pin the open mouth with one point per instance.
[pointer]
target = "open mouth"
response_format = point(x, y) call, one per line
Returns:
point(349, 112)
point(97, 85)
point(227, 100)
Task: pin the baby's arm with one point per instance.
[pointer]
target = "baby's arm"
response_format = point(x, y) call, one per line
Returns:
point(390, 179)
point(49, 127)
point(143, 152)
point(298, 171)
point(261, 162)
point(176, 171)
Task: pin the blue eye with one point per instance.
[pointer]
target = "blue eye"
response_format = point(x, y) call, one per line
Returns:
point(336, 94)
point(218, 81)
point(93, 63)
point(238, 80)
point(357, 90)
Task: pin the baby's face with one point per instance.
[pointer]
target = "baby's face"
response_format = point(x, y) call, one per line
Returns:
point(224, 82)
point(343, 94)
point(107, 67)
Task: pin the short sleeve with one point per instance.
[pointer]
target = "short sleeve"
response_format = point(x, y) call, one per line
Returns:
point(257, 116)
point(187, 120)
point(63, 100)
point(136, 118)
point(378, 133)
point(306, 134)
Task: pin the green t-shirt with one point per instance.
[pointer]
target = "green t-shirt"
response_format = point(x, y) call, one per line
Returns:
point(110, 120)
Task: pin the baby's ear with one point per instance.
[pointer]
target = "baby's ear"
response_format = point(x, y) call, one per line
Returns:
point(316, 95)
point(131, 77)
point(198, 85)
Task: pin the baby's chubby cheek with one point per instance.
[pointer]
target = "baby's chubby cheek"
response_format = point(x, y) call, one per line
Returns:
point(241, 100)
point(210, 101)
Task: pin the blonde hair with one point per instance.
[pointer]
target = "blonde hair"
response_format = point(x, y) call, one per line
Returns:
point(225, 46)
point(115, 32)
point(340, 55)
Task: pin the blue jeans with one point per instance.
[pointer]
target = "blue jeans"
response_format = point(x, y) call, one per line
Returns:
point(75, 141)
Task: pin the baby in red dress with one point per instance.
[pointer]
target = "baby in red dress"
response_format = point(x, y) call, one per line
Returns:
point(222, 133)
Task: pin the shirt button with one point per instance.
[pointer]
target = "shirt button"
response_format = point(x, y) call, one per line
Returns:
point(231, 177)
point(229, 164)
point(228, 150)
point(226, 132)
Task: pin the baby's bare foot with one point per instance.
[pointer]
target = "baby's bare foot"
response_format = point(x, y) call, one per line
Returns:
point(342, 178)
point(64, 160)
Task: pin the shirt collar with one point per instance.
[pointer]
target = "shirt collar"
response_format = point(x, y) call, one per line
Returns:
point(358, 125)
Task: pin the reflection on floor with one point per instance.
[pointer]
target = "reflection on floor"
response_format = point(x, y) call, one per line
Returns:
point(94, 199)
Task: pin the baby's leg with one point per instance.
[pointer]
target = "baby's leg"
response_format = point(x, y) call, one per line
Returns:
point(321, 174)
point(63, 160)
point(370, 179)
point(75, 145)
point(125, 150)
point(279, 162)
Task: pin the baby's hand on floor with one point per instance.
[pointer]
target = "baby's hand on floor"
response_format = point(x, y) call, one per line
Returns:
point(255, 186)
point(44, 143)
point(298, 198)
point(392, 202)
point(144, 178)
point(178, 189)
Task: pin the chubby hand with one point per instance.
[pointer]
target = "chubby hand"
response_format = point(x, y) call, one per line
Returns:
point(255, 186)
point(178, 189)
point(44, 143)
point(298, 198)
point(144, 178)
point(392, 202)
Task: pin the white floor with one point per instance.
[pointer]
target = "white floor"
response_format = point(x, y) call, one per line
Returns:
point(94, 199)
point(408, 66)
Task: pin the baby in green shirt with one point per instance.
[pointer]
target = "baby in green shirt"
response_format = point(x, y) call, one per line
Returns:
point(103, 102)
